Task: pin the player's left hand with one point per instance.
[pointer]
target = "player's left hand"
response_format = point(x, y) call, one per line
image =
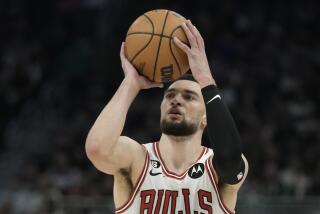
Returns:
point(196, 53)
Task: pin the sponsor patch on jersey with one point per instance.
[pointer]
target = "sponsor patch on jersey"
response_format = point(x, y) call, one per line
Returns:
point(196, 171)
point(155, 164)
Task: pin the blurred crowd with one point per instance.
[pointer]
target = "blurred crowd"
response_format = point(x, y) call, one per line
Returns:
point(59, 66)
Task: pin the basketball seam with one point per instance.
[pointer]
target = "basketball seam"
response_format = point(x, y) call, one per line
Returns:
point(155, 34)
point(155, 64)
point(170, 46)
point(142, 49)
point(148, 33)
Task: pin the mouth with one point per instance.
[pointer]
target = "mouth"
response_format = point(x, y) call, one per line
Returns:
point(175, 112)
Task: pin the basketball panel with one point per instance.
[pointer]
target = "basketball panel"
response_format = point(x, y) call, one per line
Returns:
point(181, 57)
point(167, 68)
point(141, 24)
point(174, 21)
point(158, 18)
point(135, 43)
point(179, 33)
point(144, 62)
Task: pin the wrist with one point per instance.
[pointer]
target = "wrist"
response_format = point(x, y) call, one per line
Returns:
point(132, 83)
point(205, 80)
point(209, 92)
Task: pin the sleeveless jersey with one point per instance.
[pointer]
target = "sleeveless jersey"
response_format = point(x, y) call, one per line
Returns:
point(159, 191)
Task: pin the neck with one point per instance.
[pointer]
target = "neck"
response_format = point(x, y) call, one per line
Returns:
point(180, 152)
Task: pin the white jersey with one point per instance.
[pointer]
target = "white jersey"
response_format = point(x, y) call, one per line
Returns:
point(159, 190)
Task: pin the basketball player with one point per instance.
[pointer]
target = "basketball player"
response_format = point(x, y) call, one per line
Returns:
point(175, 174)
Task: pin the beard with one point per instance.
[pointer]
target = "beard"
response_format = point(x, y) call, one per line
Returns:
point(178, 129)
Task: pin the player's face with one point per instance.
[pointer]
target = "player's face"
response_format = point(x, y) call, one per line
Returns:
point(182, 109)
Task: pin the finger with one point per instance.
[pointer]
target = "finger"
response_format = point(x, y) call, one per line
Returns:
point(150, 84)
point(157, 85)
point(196, 33)
point(181, 45)
point(122, 50)
point(122, 58)
point(190, 36)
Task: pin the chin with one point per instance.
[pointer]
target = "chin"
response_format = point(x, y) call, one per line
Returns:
point(178, 128)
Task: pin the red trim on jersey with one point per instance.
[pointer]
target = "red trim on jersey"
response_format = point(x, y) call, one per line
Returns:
point(136, 187)
point(165, 169)
point(216, 179)
point(213, 178)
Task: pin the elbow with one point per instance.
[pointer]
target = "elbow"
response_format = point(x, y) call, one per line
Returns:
point(97, 148)
point(92, 148)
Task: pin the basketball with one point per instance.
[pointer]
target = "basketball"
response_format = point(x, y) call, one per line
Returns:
point(149, 45)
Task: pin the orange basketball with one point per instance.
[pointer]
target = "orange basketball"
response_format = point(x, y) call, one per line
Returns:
point(150, 47)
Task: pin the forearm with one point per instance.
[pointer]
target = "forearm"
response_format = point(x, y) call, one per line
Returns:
point(224, 136)
point(108, 127)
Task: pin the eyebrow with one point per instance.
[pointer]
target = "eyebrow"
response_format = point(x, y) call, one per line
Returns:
point(184, 90)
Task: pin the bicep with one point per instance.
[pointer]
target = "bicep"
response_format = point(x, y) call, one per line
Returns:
point(123, 156)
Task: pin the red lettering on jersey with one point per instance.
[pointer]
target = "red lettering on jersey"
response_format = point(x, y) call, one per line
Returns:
point(170, 198)
point(186, 193)
point(173, 195)
point(147, 205)
point(166, 202)
point(204, 194)
point(159, 200)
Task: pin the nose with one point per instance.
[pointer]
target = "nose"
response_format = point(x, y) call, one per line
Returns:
point(177, 100)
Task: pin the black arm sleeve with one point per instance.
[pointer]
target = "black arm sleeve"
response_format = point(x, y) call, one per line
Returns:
point(224, 137)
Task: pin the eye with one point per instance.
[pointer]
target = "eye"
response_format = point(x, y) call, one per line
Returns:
point(170, 95)
point(188, 97)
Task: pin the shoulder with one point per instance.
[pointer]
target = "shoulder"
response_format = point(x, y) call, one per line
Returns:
point(131, 145)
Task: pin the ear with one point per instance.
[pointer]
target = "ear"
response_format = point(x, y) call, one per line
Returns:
point(203, 123)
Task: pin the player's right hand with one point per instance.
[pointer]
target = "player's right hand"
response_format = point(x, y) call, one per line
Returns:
point(132, 74)
point(196, 53)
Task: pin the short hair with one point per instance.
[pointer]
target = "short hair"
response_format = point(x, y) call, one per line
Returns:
point(186, 76)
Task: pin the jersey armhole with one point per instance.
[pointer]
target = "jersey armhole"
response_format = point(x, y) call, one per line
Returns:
point(137, 185)
point(214, 180)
